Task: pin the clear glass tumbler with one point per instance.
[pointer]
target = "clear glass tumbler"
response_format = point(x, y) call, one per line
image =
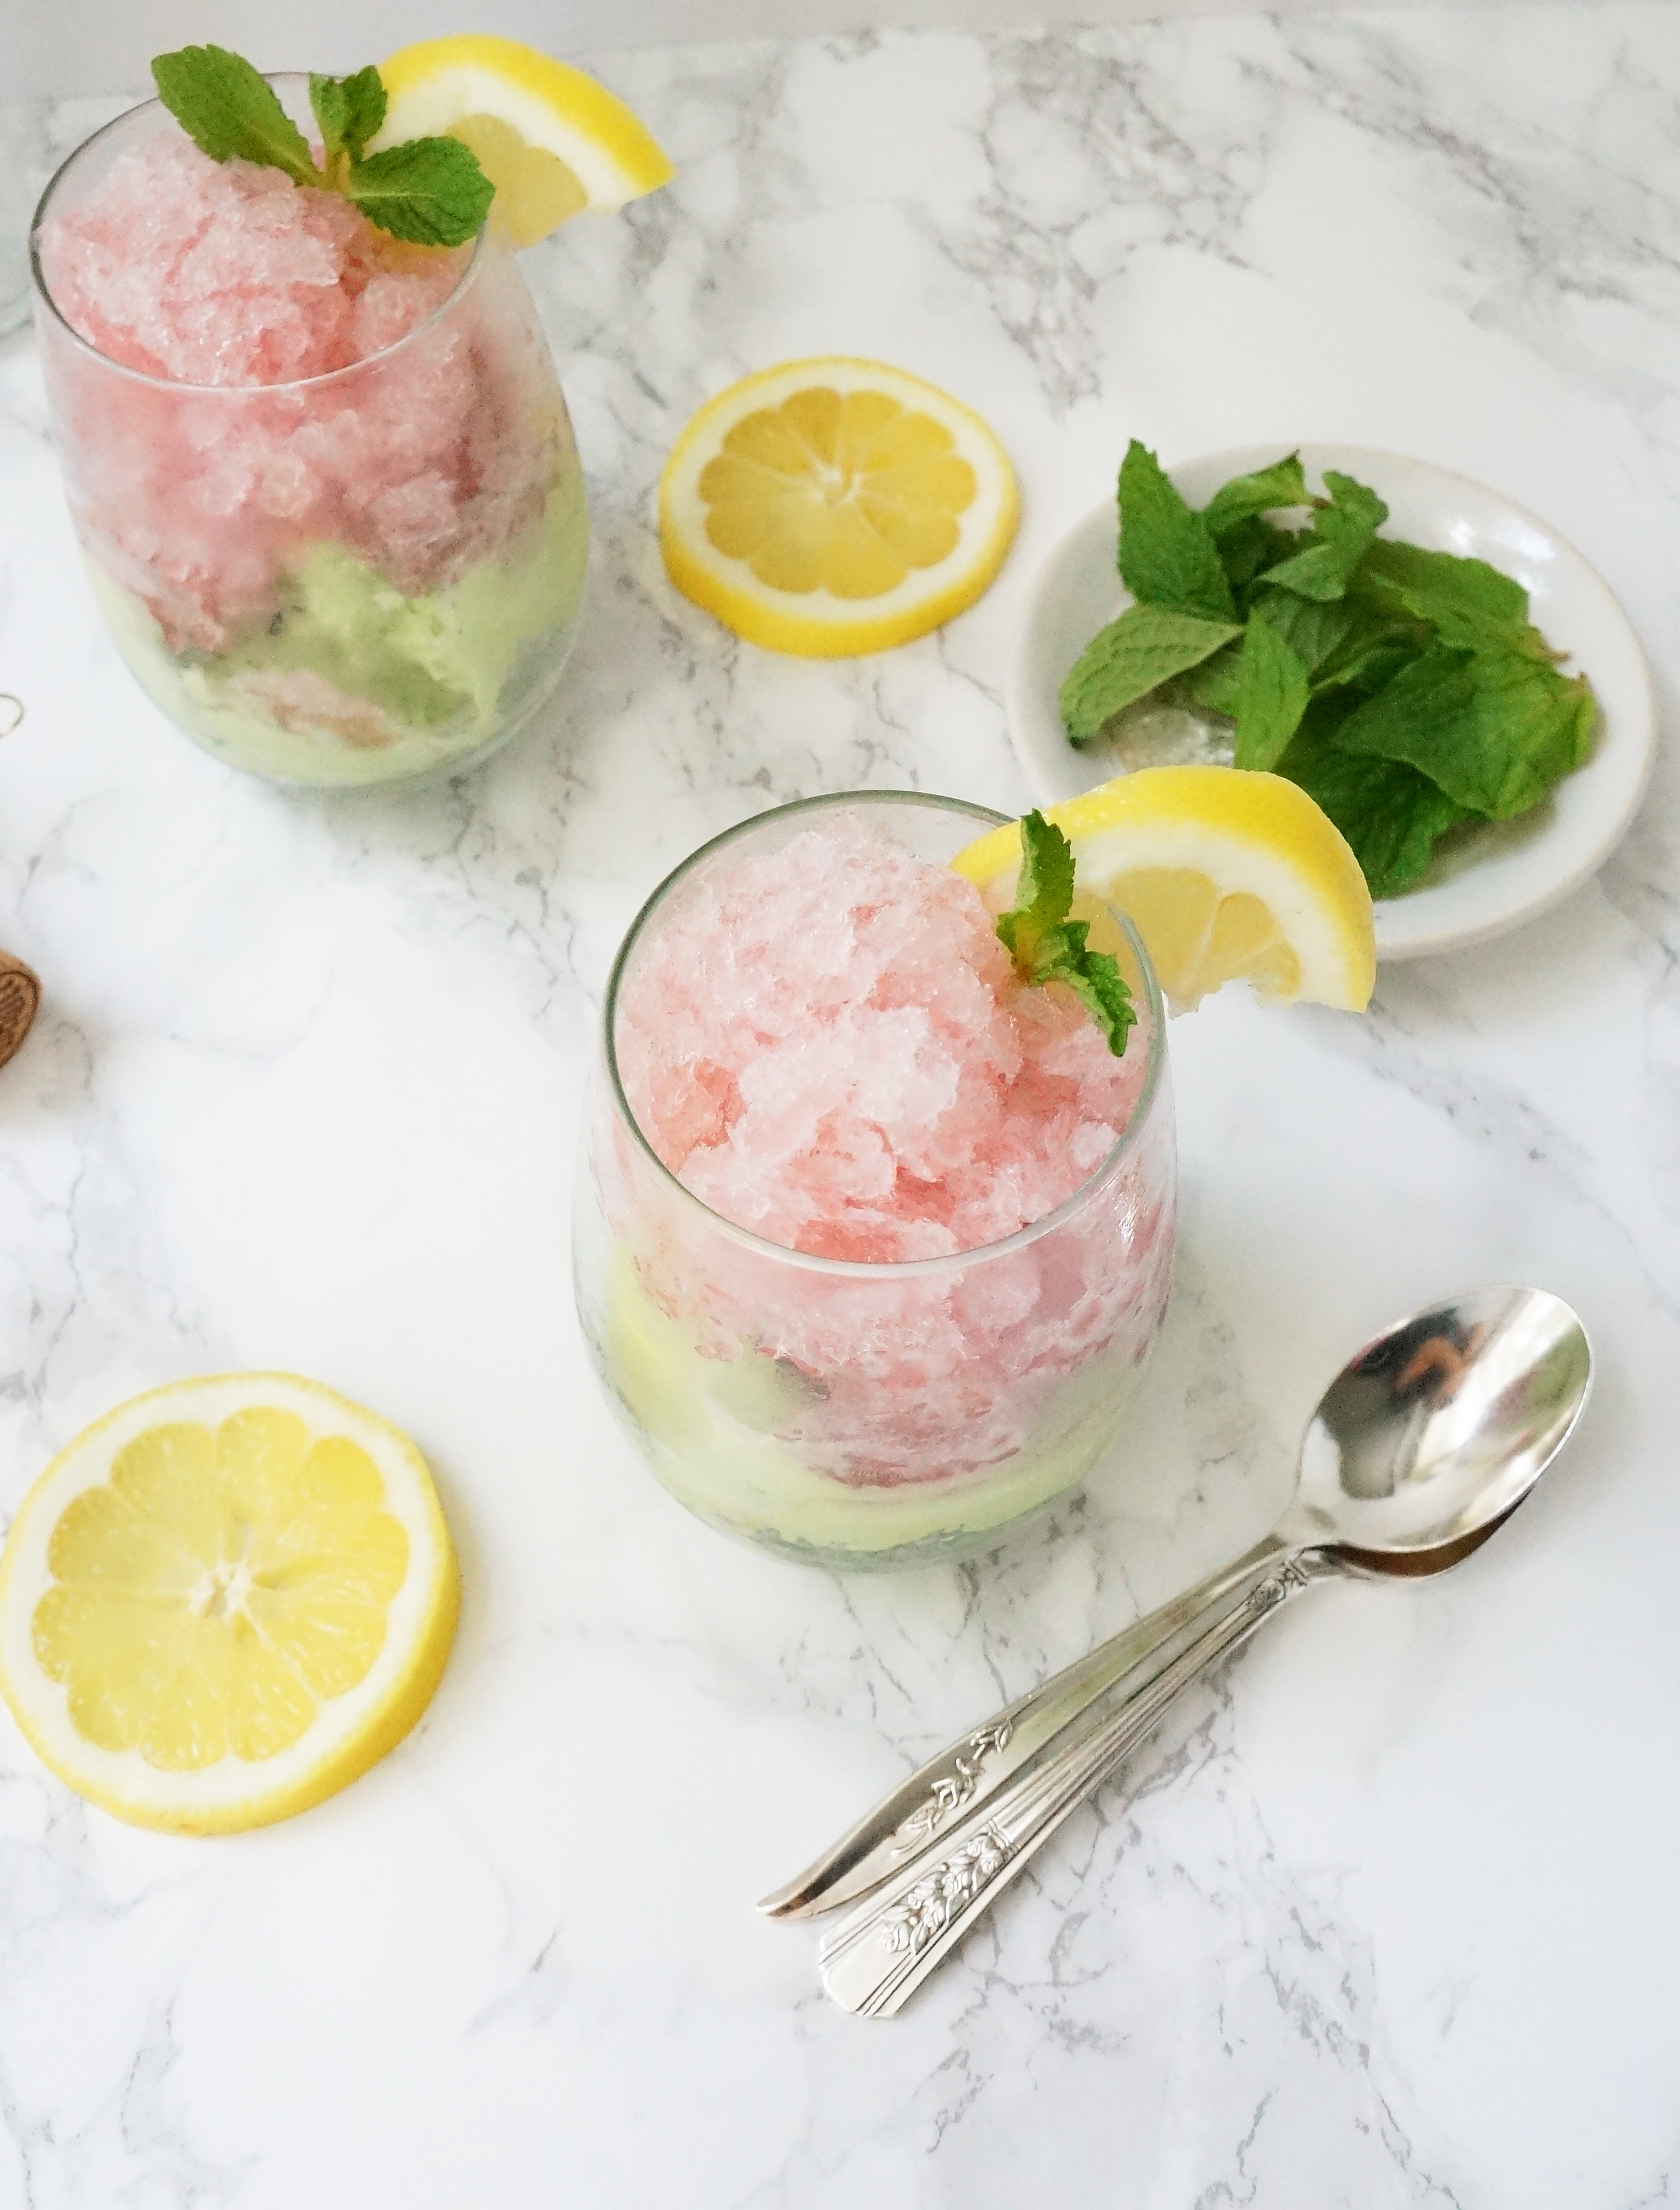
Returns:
point(855, 1414)
point(365, 576)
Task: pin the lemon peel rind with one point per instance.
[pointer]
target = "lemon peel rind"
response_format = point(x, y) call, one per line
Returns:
point(438, 82)
point(817, 624)
point(353, 1731)
point(1244, 820)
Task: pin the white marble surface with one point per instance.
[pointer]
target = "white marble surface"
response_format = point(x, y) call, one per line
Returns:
point(1391, 1917)
point(83, 46)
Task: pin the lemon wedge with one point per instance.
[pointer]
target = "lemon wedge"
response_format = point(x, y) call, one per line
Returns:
point(1228, 874)
point(836, 506)
point(551, 140)
point(223, 1601)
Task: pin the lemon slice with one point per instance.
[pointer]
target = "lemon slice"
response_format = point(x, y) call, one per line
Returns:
point(836, 506)
point(1228, 875)
point(551, 140)
point(224, 1600)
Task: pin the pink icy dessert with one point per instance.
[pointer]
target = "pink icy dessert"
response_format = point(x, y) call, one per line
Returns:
point(876, 1235)
point(324, 482)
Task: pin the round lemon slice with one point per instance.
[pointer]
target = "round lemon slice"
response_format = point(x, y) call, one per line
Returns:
point(1228, 874)
point(223, 1601)
point(836, 506)
point(551, 140)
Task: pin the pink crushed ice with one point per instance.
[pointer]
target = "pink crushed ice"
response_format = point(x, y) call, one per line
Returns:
point(226, 273)
point(833, 1049)
point(827, 1044)
point(229, 281)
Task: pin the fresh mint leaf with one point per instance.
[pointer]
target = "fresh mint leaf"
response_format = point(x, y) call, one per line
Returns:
point(1491, 727)
point(1371, 652)
point(349, 110)
point(1313, 632)
point(1146, 647)
point(230, 111)
point(1168, 558)
point(1047, 947)
point(1044, 888)
point(1525, 723)
point(1249, 548)
point(1585, 729)
point(1344, 528)
point(1313, 629)
point(1272, 696)
point(1434, 585)
point(1357, 502)
point(1246, 497)
point(1424, 716)
point(1216, 686)
point(1524, 734)
point(430, 191)
point(1467, 601)
point(1389, 813)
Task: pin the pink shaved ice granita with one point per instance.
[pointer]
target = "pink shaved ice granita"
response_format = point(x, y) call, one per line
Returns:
point(875, 1236)
point(324, 482)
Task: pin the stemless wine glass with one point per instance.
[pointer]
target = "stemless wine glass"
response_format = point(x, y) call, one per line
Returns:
point(851, 1413)
point(363, 576)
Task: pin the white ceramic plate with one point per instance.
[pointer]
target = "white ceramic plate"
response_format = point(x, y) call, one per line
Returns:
point(1487, 880)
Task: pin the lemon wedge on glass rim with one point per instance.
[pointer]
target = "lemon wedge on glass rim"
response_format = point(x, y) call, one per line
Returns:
point(836, 506)
point(223, 1601)
point(1227, 873)
point(552, 141)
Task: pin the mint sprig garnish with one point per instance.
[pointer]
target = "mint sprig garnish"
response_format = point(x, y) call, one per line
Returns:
point(1047, 947)
point(1404, 689)
point(429, 191)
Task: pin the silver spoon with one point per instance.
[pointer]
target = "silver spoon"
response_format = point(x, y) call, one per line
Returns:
point(1426, 1440)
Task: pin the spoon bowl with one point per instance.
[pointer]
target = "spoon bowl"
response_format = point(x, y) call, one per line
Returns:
point(1433, 1433)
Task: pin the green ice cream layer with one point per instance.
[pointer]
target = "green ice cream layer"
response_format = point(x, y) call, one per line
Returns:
point(349, 681)
point(708, 1428)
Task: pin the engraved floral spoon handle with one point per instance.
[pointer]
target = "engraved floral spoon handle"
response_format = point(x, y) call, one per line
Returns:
point(881, 1952)
point(965, 1777)
point(1425, 1442)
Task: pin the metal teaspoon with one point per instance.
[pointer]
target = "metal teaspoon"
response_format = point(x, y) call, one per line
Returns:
point(1427, 1440)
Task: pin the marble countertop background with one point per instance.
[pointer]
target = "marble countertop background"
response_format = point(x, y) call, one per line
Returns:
point(86, 46)
point(1391, 1916)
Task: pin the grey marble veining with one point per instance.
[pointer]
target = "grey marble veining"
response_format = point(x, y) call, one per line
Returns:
point(1387, 1917)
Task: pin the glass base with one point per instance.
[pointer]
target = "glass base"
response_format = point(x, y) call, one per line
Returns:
point(443, 770)
point(226, 711)
point(945, 1549)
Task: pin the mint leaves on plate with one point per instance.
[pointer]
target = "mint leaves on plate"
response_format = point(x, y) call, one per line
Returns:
point(1047, 947)
point(1404, 690)
point(430, 191)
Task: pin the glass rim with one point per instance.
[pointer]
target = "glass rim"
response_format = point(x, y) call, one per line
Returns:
point(878, 1270)
point(44, 292)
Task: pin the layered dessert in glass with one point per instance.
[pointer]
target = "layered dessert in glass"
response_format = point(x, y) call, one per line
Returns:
point(324, 482)
point(872, 1237)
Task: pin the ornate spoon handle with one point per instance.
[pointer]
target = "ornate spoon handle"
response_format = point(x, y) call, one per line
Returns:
point(963, 1779)
point(880, 1953)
